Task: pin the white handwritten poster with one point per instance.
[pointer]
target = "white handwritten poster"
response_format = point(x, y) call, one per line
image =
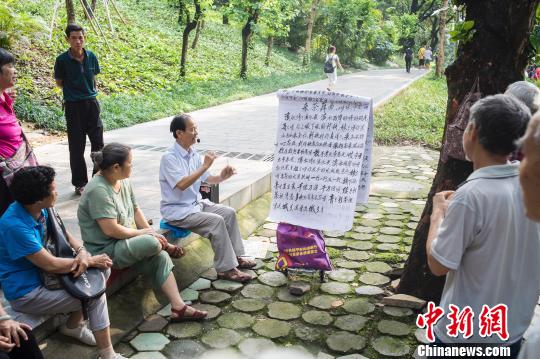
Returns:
point(322, 160)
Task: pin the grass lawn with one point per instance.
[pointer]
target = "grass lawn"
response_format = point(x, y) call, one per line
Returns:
point(139, 78)
point(415, 116)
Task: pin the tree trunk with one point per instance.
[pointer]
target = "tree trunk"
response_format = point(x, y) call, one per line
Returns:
point(70, 11)
point(197, 34)
point(225, 20)
point(247, 32)
point(434, 33)
point(269, 50)
point(497, 56)
point(190, 25)
point(311, 20)
point(414, 7)
point(442, 41)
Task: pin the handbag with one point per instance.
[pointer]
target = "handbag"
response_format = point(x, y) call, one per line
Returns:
point(24, 157)
point(89, 285)
point(301, 247)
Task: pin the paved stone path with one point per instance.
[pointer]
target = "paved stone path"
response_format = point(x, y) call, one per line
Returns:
point(343, 317)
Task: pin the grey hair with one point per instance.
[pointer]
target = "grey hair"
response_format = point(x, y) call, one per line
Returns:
point(500, 120)
point(527, 93)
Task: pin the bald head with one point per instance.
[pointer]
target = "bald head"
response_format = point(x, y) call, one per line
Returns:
point(530, 168)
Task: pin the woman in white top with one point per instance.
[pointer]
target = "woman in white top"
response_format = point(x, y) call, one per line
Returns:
point(333, 58)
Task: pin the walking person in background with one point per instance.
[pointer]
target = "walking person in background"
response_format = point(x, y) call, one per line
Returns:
point(428, 57)
point(408, 59)
point(330, 67)
point(421, 52)
point(75, 72)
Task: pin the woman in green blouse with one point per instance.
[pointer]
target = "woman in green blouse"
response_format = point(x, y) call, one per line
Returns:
point(111, 222)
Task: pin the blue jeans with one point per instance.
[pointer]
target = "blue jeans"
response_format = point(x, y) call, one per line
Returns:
point(514, 348)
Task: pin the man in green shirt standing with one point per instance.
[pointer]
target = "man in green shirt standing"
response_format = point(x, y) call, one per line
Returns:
point(75, 72)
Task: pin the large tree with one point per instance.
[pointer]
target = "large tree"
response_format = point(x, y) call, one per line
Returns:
point(496, 56)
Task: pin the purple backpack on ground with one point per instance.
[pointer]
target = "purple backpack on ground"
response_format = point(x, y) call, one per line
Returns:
point(301, 247)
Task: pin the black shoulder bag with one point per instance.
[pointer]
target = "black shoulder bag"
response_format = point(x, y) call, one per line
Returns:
point(89, 285)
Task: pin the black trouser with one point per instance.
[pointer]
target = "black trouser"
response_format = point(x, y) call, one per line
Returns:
point(82, 118)
point(408, 61)
point(29, 349)
point(5, 196)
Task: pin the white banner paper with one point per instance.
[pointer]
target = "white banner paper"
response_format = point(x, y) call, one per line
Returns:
point(322, 160)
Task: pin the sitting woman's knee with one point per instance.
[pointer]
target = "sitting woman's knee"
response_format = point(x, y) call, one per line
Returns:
point(150, 244)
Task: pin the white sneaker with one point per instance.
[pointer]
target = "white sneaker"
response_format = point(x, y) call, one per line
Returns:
point(81, 333)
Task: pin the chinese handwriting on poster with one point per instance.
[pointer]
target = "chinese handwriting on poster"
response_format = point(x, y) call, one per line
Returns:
point(322, 160)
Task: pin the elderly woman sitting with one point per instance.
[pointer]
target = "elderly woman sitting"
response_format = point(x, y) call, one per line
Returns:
point(111, 222)
point(24, 262)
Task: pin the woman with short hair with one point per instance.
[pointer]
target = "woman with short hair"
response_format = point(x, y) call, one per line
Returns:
point(26, 265)
point(111, 222)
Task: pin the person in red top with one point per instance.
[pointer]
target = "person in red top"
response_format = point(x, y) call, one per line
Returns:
point(15, 152)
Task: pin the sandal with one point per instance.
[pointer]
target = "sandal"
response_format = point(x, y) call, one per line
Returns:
point(182, 317)
point(235, 275)
point(174, 251)
point(244, 263)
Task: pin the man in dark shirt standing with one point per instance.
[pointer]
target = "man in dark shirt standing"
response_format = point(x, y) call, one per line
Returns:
point(75, 72)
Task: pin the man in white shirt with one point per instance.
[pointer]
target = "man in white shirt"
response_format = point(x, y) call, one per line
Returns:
point(479, 235)
point(181, 172)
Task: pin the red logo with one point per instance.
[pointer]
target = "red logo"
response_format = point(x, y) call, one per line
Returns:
point(492, 320)
point(429, 319)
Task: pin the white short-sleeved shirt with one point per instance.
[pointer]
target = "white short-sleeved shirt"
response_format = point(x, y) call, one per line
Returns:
point(176, 164)
point(427, 54)
point(493, 252)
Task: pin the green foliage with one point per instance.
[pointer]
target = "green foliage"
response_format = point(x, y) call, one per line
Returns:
point(415, 116)
point(407, 26)
point(381, 52)
point(43, 116)
point(17, 26)
point(463, 31)
point(534, 38)
point(276, 16)
point(139, 80)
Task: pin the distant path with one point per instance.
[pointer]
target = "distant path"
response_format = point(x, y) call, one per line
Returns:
point(250, 125)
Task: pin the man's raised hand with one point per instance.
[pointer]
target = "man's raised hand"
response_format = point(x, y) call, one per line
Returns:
point(209, 158)
point(227, 173)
